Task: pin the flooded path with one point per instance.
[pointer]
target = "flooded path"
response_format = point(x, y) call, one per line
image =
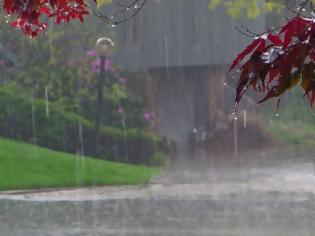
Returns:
point(275, 196)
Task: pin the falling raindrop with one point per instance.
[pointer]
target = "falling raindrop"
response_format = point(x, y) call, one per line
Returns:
point(46, 101)
point(235, 139)
point(33, 119)
point(80, 160)
point(81, 140)
point(245, 118)
point(123, 122)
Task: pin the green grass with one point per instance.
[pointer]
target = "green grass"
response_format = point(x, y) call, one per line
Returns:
point(296, 123)
point(293, 132)
point(25, 166)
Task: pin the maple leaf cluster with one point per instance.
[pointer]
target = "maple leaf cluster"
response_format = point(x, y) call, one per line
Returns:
point(29, 12)
point(278, 61)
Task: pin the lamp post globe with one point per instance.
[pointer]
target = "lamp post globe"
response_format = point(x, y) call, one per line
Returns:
point(103, 48)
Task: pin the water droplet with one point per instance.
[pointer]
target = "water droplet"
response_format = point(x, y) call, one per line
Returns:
point(277, 115)
point(113, 25)
point(225, 83)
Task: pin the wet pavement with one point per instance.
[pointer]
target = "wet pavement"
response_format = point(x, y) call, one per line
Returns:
point(275, 196)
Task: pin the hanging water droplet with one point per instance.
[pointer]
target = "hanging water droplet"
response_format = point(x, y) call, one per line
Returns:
point(277, 115)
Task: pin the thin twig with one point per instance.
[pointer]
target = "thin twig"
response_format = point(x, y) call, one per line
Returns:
point(135, 5)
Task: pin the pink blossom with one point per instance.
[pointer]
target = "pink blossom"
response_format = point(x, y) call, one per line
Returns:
point(146, 116)
point(108, 64)
point(122, 80)
point(120, 110)
point(149, 117)
point(91, 53)
point(95, 65)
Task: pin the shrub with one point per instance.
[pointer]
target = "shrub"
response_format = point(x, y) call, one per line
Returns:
point(25, 119)
point(158, 160)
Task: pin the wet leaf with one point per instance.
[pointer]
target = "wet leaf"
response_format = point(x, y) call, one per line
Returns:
point(285, 57)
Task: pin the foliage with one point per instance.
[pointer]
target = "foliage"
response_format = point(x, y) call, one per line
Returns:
point(56, 169)
point(294, 124)
point(292, 132)
point(279, 60)
point(58, 61)
point(252, 8)
point(159, 159)
point(28, 15)
point(26, 119)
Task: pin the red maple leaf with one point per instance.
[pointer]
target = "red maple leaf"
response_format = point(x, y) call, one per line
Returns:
point(278, 61)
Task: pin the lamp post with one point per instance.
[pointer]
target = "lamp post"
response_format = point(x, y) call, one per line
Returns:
point(103, 50)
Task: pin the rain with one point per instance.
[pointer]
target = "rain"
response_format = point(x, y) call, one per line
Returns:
point(128, 123)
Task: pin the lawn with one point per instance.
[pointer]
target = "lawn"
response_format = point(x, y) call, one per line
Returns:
point(293, 132)
point(25, 166)
point(295, 125)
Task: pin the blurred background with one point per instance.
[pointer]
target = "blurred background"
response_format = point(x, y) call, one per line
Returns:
point(156, 108)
